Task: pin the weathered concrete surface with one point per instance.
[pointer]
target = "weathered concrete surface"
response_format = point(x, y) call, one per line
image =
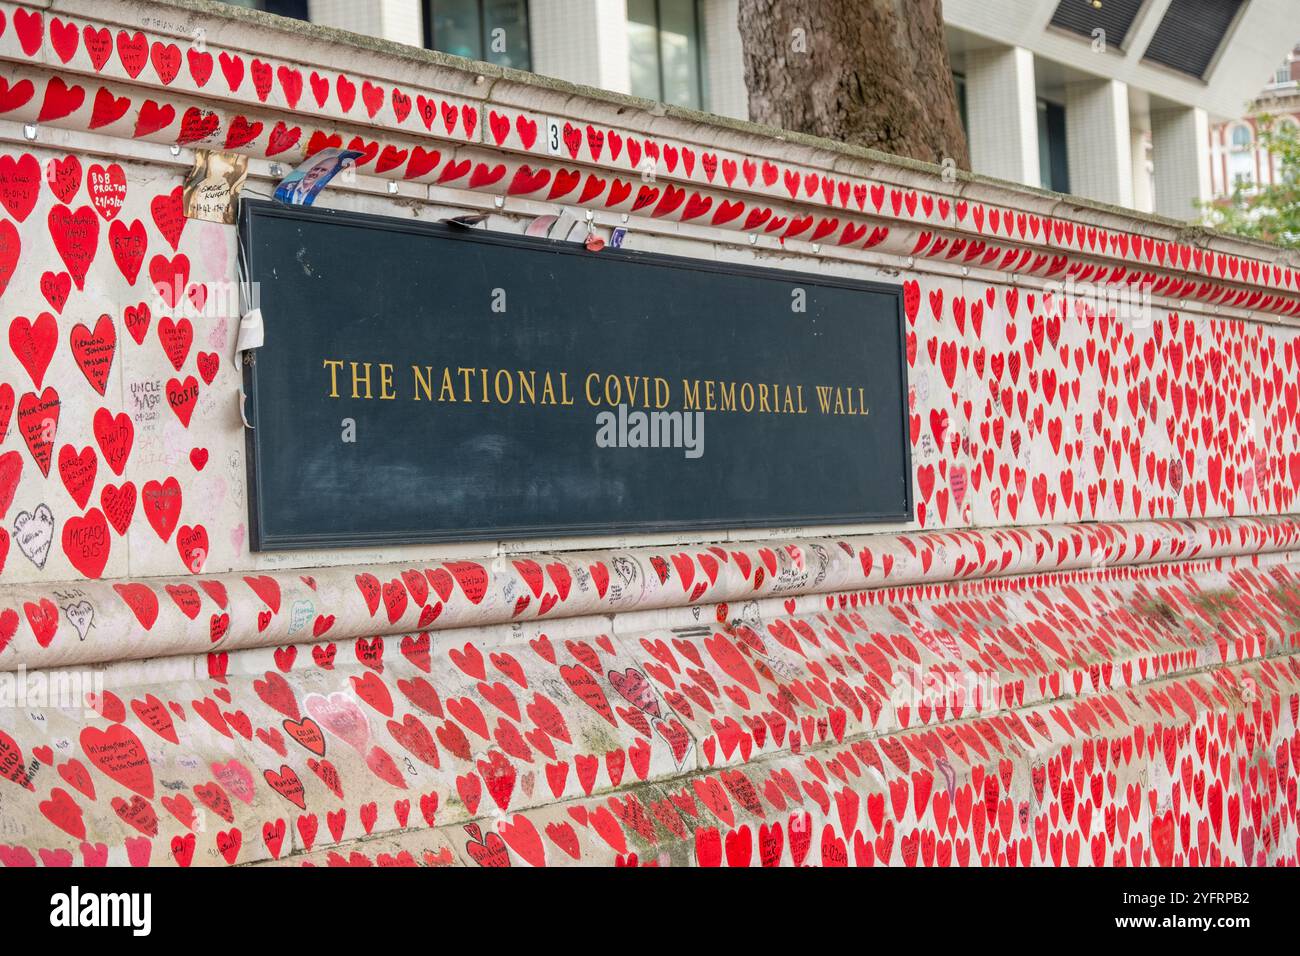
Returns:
point(1145, 720)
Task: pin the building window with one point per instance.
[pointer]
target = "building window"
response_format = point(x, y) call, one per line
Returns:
point(663, 38)
point(1053, 158)
point(1241, 157)
point(495, 31)
point(295, 9)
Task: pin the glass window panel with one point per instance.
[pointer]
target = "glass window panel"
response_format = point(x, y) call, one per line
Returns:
point(642, 13)
point(679, 49)
point(457, 28)
point(643, 48)
point(1044, 148)
point(297, 9)
point(505, 25)
point(1053, 157)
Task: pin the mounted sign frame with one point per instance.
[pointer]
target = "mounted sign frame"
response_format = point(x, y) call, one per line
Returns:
point(422, 383)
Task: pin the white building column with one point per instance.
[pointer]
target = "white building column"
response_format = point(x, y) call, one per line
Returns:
point(1098, 141)
point(724, 59)
point(582, 41)
point(396, 20)
point(1002, 114)
point(1143, 196)
point(1180, 149)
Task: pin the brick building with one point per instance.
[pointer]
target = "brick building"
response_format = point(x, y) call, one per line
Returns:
point(1237, 159)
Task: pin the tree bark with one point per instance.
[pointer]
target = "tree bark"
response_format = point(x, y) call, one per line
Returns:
point(870, 73)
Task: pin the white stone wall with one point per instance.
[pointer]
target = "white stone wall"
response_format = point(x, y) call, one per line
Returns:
point(1089, 490)
point(582, 41)
point(1099, 141)
point(737, 186)
point(1002, 114)
point(398, 20)
point(1182, 176)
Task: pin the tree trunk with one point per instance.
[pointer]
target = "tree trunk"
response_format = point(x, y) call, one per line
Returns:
point(866, 72)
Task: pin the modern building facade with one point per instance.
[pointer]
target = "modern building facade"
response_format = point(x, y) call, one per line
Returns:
point(1136, 86)
point(1113, 100)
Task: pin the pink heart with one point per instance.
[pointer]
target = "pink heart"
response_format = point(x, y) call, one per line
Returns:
point(340, 715)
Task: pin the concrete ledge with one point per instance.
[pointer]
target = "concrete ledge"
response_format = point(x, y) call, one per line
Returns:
point(145, 618)
point(839, 720)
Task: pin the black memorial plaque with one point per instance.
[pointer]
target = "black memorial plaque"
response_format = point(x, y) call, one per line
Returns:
point(421, 382)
